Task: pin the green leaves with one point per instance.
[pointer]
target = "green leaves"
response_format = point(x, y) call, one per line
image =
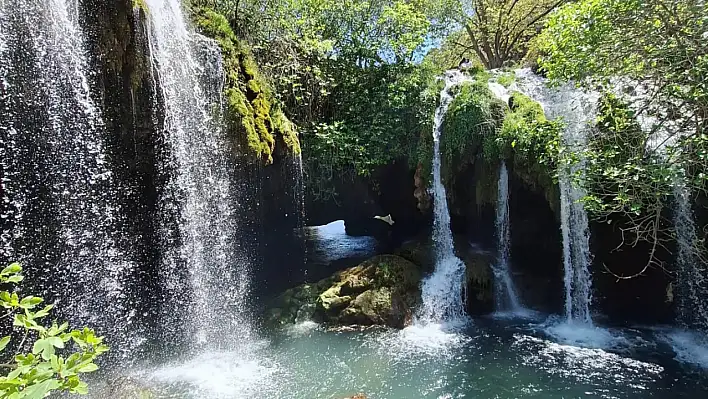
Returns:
point(41, 389)
point(47, 346)
point(14, 268)
point(3, 343)
point(45, 369)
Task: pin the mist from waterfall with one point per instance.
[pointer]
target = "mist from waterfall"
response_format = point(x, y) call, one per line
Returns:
point(443, 290)
point(59, 213)
point(506, 299)
point(205, 272)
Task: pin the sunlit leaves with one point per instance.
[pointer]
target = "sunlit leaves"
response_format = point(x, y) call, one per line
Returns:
point(500, 31)
point(44, 369)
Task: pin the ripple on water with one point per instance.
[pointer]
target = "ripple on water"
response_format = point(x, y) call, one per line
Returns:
point(587, 365)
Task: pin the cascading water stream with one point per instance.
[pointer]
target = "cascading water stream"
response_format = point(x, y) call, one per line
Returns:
point(506, 298)
point(577, 109)
point(442, 291)
point(59, 212)
point(692, 293)
point(212, 300)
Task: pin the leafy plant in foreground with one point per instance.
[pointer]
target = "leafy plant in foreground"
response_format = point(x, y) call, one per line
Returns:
point(58, 355)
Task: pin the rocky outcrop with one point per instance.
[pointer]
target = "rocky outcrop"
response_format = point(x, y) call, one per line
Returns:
point(383, 290)
point(254, 120)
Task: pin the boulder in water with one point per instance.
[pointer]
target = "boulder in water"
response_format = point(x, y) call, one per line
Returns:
point(383, 290)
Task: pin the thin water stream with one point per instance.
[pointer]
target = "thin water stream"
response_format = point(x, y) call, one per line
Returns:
point(577, 109)
point(443, 290)
point(506, 298)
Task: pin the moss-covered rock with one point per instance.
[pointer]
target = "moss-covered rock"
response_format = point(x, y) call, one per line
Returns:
point(383, 290)
point(140, 5)
point(532, 144)
point(254, 120)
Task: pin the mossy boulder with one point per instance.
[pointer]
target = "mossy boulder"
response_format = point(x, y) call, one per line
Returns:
point(383, 290)
point(297, 304)
point(254, 120)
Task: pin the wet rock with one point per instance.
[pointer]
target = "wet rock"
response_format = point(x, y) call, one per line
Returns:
point(478, 281)
point(383, 290)
point(123, 388)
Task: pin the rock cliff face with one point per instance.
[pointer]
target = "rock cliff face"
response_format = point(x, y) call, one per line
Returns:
point(264, 142)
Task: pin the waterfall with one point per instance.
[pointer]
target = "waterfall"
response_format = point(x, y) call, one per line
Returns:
point(692, 287)
point(212, 300)
point(505, 295)
point(442, 291)
point(577, 109)
point(59, 213)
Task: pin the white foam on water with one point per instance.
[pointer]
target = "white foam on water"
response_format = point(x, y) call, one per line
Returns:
point(583, 335)
point(689, 346)
point(302, 328)
point(432, 338)
point(215, 375)
point(585, 364)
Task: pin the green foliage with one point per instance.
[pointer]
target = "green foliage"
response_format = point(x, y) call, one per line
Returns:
point(252, 119)
point(499, 31)
point(528, 137)
point(660, 45)
point(506, 79)
point(621, 178)
point(377, 118)
point(473, 119)
point(58, 356)
point(140, 5)
point(452, 50)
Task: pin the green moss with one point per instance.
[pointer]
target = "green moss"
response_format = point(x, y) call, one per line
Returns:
point(533, 144)
point(506, 79)
point(287, 130)
point(474, 117)
point(252, 120)
point(140, 5)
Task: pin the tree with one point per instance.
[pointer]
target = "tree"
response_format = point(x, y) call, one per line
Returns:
point(499, 30)
point(58, 356)
point(656, 48)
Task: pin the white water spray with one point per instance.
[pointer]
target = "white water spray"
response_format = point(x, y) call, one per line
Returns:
point(443, 290)
point(201, 193)
point(59, 212)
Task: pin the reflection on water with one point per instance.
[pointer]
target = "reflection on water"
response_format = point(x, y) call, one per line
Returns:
point(489, 358)
point(331, 242)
